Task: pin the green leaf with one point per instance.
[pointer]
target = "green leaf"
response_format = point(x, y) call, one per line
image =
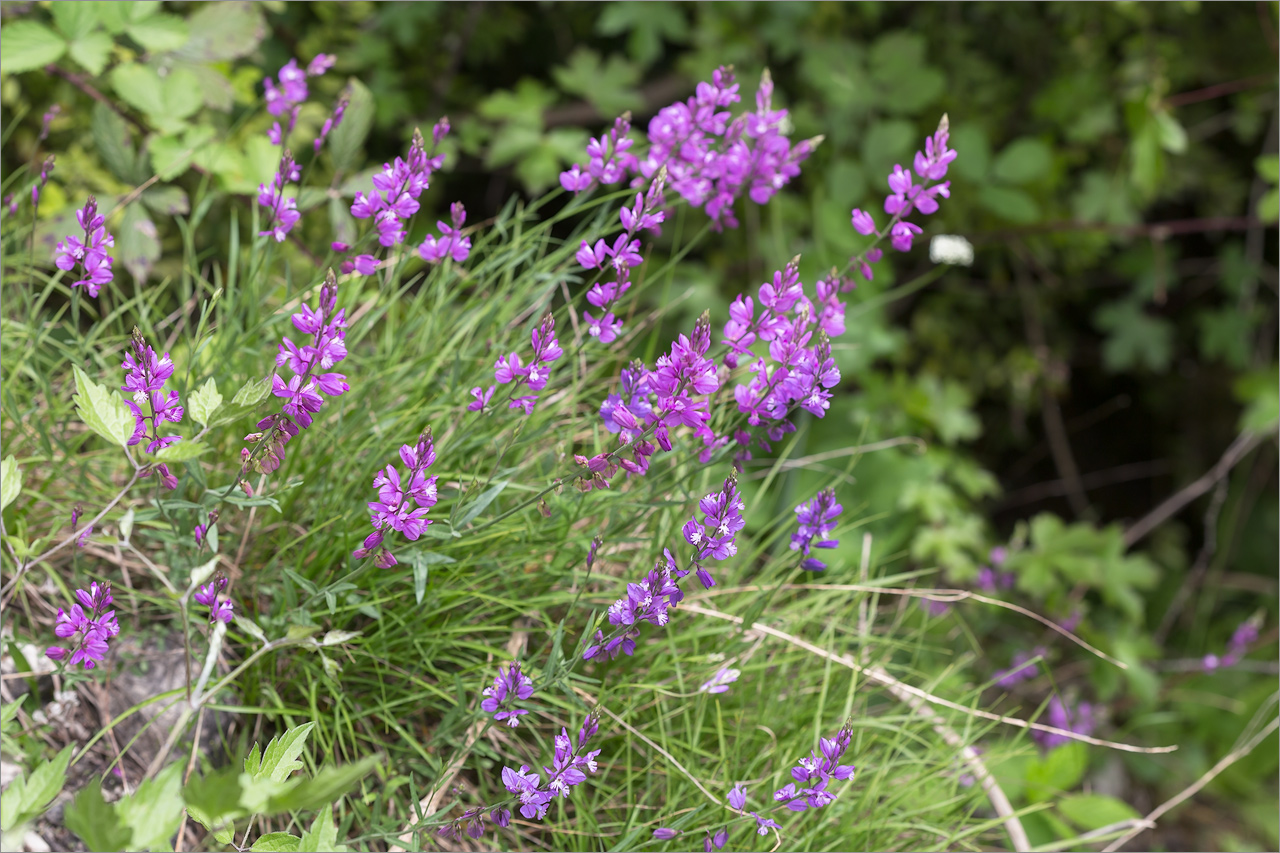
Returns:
point(116, 16)
point(182, 451)
point(609, 87)
point(647, 25)
point(523, 106)
point(1173, 138)
point(154, 810)
point(481, 504)
point(1268, 166)
point(126, 524)
point(28, 796)
point(159, 33)
point(138, 243)
point(213, 799)
point(252, 392)
point(166, 101)
point(1135, 339)
point(96, 821)
point(275, 841)
point(347, 138)
point(899, 67)
point(172, 155)
point(253, 761)
point(250, 627)
point(225, 30)
point(114, 142)
point(169, 200)
point(1059, 771)
point(323, 834)
point(1094, 811)
point(1260, 393)
point(1224, 335)
point(281, 756)
point(1269, 206)
point(91, 51)
point(1023, 161)
point(74, 19)
point(205, 401)
point(326, 786)
point(102, 411)
point(26, 45)
point(421, 562)
point(10, 481)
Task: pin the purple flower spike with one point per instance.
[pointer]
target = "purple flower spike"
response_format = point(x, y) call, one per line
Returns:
point(396, 191)
point(1020, 670)
point(282, 212)
point(816, 518)
point(663, 833)
point(89, 254)
point(403, 503)
point(219, 611)
point(1080, 720)
point(715, 538)
point(451, 243)
point(719, 683)
point(569, 769)
point(738, 797)
point(145, 376)
point(508, 686)
point(813, 774)
point(91, 623)
point(511, 370)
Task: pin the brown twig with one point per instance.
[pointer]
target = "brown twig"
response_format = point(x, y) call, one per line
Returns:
point(1239, 449)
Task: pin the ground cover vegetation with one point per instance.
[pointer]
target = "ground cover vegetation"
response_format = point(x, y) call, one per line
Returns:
point(639, 426)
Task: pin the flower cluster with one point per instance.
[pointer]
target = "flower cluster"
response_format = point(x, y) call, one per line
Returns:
point(219, 611)
point(91, 252)
point(201, 531)
point(92, 621)
point(812, 774)
point(799, 370)
point(710, 160)
point(1244, 636)
point(509, 369)
point(652, 402)
point(395, 194)
point(906, 196)
point(145, 375)
point(565, 772)
point(816, 518)
point(310, 364)
point(1080, 720)
point(334, 119)
point(719, 683)
point(508, 686)
point(991, 578)
point(1020, 669)
point(471, 823)
point(715, 537)
point(619, 257)
point(451, 243)
point(647, 601)
point(402, 504)
point(45, 168)
point(282, 213)
point(287, 95)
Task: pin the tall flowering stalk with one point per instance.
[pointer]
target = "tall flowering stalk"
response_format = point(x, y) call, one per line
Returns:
point(813, 774)
point(906, 196)
point(451, 243)
point(282, 212)
point(91, 623)
point(647, 601)
point(286, 94)
point(511, 370)
point(568, 769)
point(310, 364)
point(509, 685)
point(402, 503)
point(816, 518)
point(715, 537)
point(145, 377)
point(89, 254)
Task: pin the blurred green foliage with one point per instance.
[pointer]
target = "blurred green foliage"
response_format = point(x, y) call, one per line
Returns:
point(1117, 176)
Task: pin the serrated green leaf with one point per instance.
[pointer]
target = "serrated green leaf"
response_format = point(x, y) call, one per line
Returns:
point(182, 451)
point(91, 51)
point(114, 142)
point(253, 761)
point(10, 481)
point(1135, 339)
point(252, 392)
point(274, 842)
point(28, 796)
point(154, 811)
point(95, 820)
point(205, 401)
point(118, 14)
point(323, 834)
point(138, 243)
point(159, 33)
point(609, 86)
point(102, 411)
point(213, 799)
point(172, 155)
point(166, 101)
point(347, 138)
point(281, 756)
point(168, 200)
point(74, 19)
point(1059, 771)
point(326, 786)
point(27, 44)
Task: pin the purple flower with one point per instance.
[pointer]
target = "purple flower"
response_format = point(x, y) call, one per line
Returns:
point(282, 212)
point(569, 768)
point(1020, 670)
point(482, 398)
point(647, 601)
point(663, 833)
point(990, 579)
point(719, 683)
point(219, 611)
point(738, 797)
point(813, 773)
point(508, 686)
point(511, 370)
point(397, 188)
point(715, 537)
point(403, 503)
point(332, 122)
point(90, 254)
point(816, 518)
point(451, 242)
point(91, 622)
point(716, 841)
point(1245, 634)
point(764, 824)
point(145, 375)
point(863, 223)
point(1079, 720)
